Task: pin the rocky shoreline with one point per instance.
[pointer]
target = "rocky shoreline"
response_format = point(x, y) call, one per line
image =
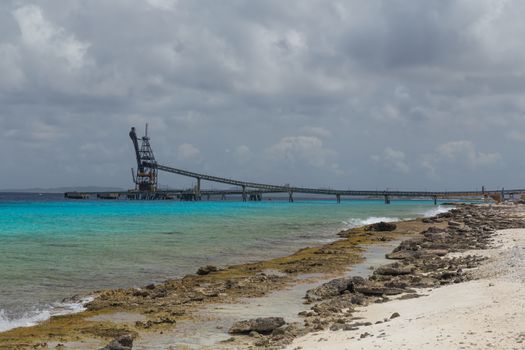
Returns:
point(420, 261)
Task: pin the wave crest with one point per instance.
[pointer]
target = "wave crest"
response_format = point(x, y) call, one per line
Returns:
point(354, 222)
point(437, 210)
point(32, 318)
point(368, 221)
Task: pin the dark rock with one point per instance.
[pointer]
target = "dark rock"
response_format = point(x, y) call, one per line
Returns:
point(453, 223)
point(330, 289)
point(254, 334)
point(447, 275)
point(357, 280)
point(263, 325)
point(394, 315)
point(400, 255)
point(381, 226)
point(358, 299)
point(434, 229)
point(375, 288)
point(124, 342)
point(409, 296)
point(204, 270)
point(165, 320)
point(436, 234)
point(261, 342)
point(229, 284)
point(140, 293)
point(413, 244)
point(394, 269)
point(334, 288)
point(437, 252)
point(371, 289)
point(160, 293)
point(392, 291)
point(337, 327)
point(150, 323)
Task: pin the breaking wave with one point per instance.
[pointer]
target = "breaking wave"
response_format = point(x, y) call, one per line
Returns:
point(32, 318)
point(354, 222)
point(437, 210)
point(368, 221)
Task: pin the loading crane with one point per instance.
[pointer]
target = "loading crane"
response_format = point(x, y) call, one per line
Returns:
point(145, 178)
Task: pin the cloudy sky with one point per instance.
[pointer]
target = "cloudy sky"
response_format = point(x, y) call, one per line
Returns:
point(350, 94)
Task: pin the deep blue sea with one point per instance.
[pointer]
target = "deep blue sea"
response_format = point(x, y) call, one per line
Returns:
point(51, 248)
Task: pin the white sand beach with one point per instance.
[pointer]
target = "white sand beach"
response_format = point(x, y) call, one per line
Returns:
point(486, 313)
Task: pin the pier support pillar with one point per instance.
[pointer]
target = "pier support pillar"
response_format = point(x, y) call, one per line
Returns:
point(387, 199)
point(290, 197)
point(208, 197)
point(435, 200)
point(256, 197)
point(244, 193)
point(338, 198)
point(198, 190)
point(223, 197)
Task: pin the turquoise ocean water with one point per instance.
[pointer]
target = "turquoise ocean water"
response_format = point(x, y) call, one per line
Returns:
point(51, 249)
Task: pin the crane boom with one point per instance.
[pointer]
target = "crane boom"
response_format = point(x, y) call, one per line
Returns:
point(133, 136)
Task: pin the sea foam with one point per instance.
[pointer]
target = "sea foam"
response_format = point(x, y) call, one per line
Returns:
point(368, 221)
point(437, 210)
point(32, 318)
point(354, 222)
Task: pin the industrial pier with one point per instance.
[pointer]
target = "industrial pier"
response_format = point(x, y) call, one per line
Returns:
point(145, 178)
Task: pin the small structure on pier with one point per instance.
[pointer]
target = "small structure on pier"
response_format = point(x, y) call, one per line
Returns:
point(76, 195)
point(108, 195)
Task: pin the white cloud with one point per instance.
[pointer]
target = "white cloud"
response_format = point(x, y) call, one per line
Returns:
point(393, 159)
point(10, 71)
point(315, 131)
point(465, 150)
point(516, 135)
point(187, 151)
point(42, 131)
point(163, 4)
point(243, 153)
point(293, 41)
point(458, 154)
point(302, 149)
point(405, 75)
point(44, 37)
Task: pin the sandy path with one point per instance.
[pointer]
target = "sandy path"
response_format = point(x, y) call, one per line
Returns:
point(488, 313)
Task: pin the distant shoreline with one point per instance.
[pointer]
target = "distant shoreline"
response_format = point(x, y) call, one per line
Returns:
point(57, 190)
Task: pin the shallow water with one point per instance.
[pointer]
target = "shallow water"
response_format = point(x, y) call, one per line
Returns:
point(217, 319)
point(51, 249)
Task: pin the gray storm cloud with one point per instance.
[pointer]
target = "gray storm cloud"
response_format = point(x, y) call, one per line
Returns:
point(360, 94)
